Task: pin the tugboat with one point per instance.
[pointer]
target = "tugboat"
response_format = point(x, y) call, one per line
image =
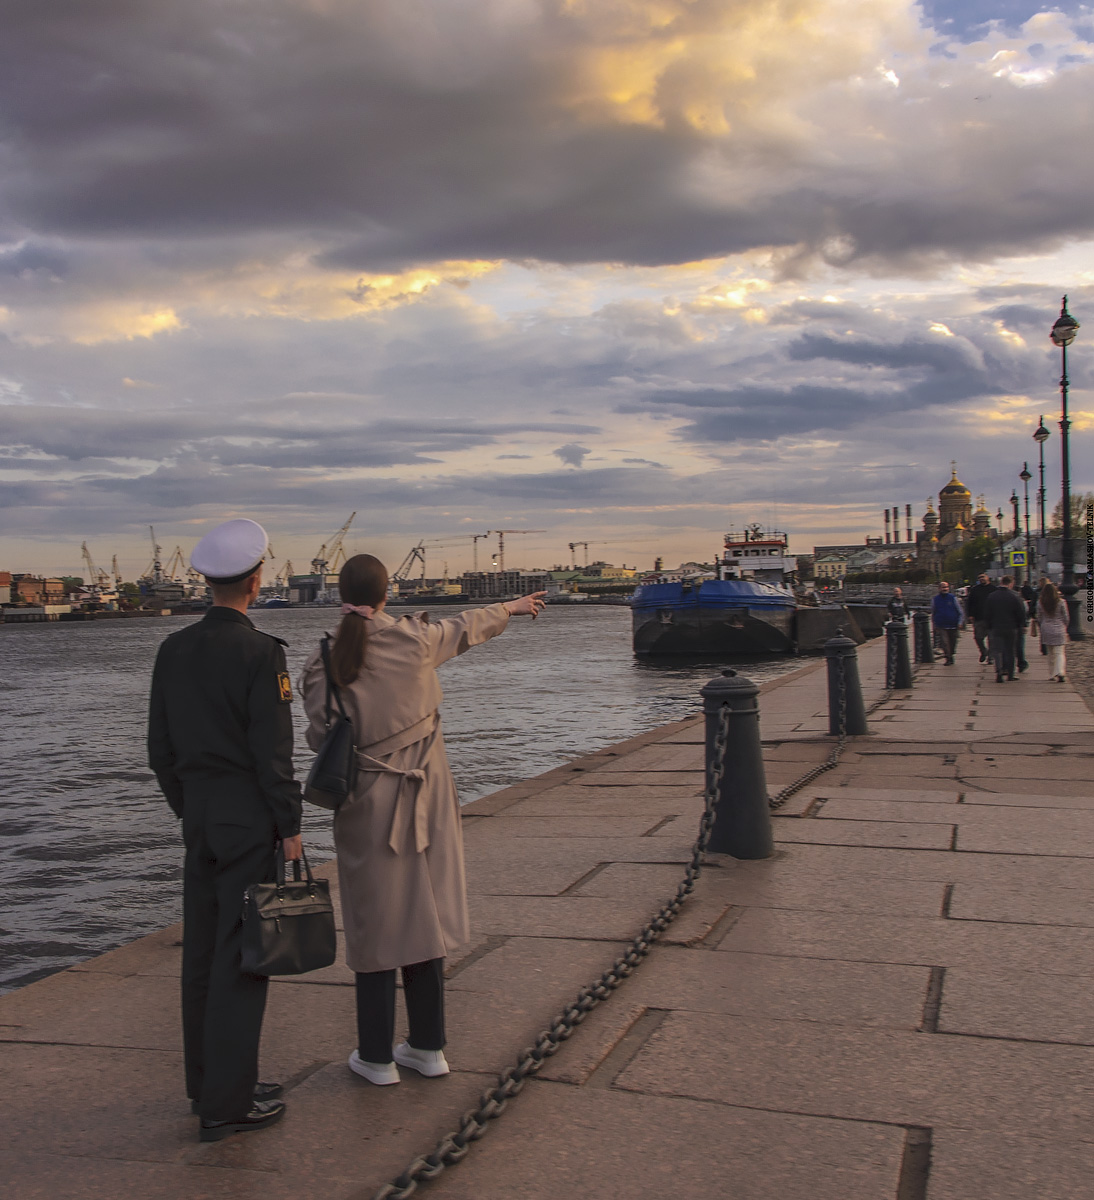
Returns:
point(742, 606)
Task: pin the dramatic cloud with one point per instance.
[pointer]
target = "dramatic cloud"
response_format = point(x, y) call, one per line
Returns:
point(403, 132)
point(623, 269)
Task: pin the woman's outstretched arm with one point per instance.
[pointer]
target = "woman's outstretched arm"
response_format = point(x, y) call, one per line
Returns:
point(454, 635)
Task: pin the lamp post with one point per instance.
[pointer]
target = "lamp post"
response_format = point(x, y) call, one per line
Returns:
point(1025, 477)
point(1063, 334)
point(999, 521)
point(1040, 436)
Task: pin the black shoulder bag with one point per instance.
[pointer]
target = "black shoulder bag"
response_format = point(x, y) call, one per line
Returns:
point(334, 770)
point(288, 926)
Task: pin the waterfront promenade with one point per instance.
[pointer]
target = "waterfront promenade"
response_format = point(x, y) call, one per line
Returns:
point(897, 1005)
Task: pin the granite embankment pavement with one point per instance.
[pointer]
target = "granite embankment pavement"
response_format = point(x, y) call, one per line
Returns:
point(896, 1005)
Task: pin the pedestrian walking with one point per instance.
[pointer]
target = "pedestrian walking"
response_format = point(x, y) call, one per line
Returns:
point(1006, 615)
point(397, 835)
point(1052, 621)
point(947, 616)
point(898, 607)
point(220, 743)
point(974, 612)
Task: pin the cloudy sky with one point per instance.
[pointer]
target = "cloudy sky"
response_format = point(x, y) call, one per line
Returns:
point(626, 271)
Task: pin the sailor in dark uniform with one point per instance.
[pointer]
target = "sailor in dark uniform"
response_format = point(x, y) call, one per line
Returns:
point(220, 743)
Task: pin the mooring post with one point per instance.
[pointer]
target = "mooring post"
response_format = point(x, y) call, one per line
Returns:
point(924, 651)
point(742, 819)
point(898, 666)
point(846, 711)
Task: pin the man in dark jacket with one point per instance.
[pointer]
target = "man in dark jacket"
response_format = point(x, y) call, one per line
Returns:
point(974, 611)
point(220, 743)
point(1005, 613)
point(947, 617)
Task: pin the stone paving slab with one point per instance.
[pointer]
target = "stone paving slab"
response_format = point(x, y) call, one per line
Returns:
point(850, 862)
point(1007, 901)
point(884, 834)
point(966, 1163)
point(740, 983)
point(1048, 832)
point(1030, 799)
point(607, 1151)
point(890, 1076)
point(1025, 1005)
point(877, 981)
point(984, 947)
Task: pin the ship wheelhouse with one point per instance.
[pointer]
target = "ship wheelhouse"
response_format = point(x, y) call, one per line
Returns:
point(757, 554)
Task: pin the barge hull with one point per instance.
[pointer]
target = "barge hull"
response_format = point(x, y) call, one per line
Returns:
point(714, 631)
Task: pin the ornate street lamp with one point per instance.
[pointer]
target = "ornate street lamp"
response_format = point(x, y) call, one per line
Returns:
point(999, 522)
point(1040, 436)
point(1025, 477)
point(1063, 334)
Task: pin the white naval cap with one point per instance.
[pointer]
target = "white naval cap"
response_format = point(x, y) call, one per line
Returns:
point(230, 552)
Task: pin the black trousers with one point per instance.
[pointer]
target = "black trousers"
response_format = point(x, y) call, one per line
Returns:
point(1003, 645)
point(222, 1008)
point(947, 641)
point(980, 633)
point(423, 990)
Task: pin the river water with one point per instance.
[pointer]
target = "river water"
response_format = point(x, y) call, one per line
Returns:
point(90, 855)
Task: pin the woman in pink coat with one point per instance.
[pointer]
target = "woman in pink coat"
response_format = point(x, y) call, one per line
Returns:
point(398, 836)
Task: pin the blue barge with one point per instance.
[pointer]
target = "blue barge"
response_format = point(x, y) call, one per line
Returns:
point(713, 616)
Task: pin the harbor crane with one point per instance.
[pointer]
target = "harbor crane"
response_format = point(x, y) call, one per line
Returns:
point(176, 563)
point(459, 539)
point(154, 571)
point(116, 572)
point(331, 553)
point(96, 576)
point(500, 557)
point(285, 574)
point(573, 551)
point(418, 552)
point(402, 572)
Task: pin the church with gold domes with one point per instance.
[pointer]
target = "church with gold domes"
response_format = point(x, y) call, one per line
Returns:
point(952, 525)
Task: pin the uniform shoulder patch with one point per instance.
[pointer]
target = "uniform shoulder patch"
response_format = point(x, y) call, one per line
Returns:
point(284, 687)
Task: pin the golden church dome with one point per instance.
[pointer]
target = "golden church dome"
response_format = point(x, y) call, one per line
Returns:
point(955, 487)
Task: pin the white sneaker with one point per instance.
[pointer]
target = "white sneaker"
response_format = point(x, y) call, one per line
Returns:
point(379, 1073)
point(426, 1062)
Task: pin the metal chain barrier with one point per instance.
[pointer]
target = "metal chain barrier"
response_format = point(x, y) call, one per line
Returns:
point(777, 801)
point(492, 1103)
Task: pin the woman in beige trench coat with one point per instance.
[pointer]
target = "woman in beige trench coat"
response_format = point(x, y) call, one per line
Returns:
point(398, 836)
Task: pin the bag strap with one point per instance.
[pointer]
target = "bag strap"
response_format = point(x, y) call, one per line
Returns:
point(279, 859)
point(324, 649)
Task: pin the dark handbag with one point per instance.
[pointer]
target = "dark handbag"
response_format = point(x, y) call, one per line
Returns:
point(334, 770)
point(288, 926)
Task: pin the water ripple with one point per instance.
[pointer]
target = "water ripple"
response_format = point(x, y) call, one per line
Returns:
point(90, 853)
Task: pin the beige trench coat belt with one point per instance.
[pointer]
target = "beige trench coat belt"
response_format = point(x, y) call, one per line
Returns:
point(409, 811)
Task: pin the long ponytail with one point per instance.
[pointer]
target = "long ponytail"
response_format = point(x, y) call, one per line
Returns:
point(363, 580)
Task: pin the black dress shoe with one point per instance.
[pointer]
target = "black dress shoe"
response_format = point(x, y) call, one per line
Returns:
point(263, 1114)
point(263, 1091)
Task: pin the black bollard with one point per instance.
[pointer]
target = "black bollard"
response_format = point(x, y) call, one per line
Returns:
point(846, 711)
point(898, 666)
point(742, 819)
point(924, 651)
